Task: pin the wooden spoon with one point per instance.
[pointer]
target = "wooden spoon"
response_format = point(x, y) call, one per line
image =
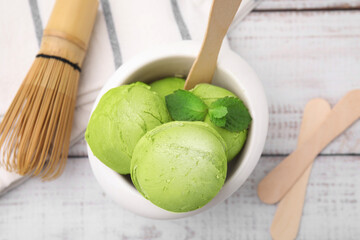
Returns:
point(279, 181)
point(286, 222)
point(221, 15)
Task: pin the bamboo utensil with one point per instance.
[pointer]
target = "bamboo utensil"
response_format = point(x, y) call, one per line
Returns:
point(278, 182)
point(287, 218)
point(35, 131)
point(221, 15)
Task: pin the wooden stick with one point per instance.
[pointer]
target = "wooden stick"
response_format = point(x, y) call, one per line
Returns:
point(278, 182)
point(287, 218)
point(221, 15)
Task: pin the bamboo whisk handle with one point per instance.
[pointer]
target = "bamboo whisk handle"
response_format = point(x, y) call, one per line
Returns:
point(73, 20)
point(68, 31)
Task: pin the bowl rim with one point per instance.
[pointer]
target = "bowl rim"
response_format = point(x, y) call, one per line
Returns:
point(113, 183)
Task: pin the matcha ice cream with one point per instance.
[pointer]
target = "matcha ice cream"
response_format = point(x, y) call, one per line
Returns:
point(179, 166)
point(234, 140)
point(122, 116)
point(167, 86)
point(210, 93)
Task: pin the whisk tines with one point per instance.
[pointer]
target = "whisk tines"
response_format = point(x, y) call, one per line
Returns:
point(37, 125)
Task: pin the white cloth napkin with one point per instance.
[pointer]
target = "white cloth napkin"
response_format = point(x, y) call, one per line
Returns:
point(123, 29)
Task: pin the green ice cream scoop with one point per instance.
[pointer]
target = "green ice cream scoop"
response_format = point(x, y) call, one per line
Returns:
point(179, 166)
point(234, 140)
point(167, 86)
point(123, 115)
point(210, 93)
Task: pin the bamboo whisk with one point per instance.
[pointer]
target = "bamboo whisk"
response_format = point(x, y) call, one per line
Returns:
point(35, 131)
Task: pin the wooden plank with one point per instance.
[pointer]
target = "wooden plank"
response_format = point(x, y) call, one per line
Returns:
point(308, 4)
point(299, 56)
point(74, 207)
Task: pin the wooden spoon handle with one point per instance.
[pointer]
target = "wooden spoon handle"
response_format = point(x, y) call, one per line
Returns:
point(221, 15)
point(285, 225)
point(278, 182)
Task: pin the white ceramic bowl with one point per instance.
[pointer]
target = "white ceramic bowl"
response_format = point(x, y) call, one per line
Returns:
point(232, 73)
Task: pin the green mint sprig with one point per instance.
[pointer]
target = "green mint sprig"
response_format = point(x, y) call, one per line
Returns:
point(185, 106)
point(230, 113)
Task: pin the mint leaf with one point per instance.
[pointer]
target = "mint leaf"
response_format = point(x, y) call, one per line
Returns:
point(218, 115)
point(185, 106)
point(236, 118)
point(219, 112)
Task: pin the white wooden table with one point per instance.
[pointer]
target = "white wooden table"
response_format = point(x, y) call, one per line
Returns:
point(300, 49)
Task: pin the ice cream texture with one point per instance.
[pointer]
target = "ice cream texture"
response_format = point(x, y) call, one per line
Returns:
point(210, 93)
point(167, 85)
point(179, 166)
point(234, 140)
point(123, 115)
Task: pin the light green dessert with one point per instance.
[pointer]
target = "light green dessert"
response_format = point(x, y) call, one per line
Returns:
point(179, 166)
point(123, 115)
point(167, 86)
point(234, 140)
point(210, 93)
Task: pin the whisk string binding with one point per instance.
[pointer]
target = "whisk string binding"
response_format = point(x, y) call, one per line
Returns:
point(64, 60)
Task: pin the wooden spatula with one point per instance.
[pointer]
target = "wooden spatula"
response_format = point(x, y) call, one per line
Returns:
point(221, 15)
point(286, 222)
point(279, 181)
